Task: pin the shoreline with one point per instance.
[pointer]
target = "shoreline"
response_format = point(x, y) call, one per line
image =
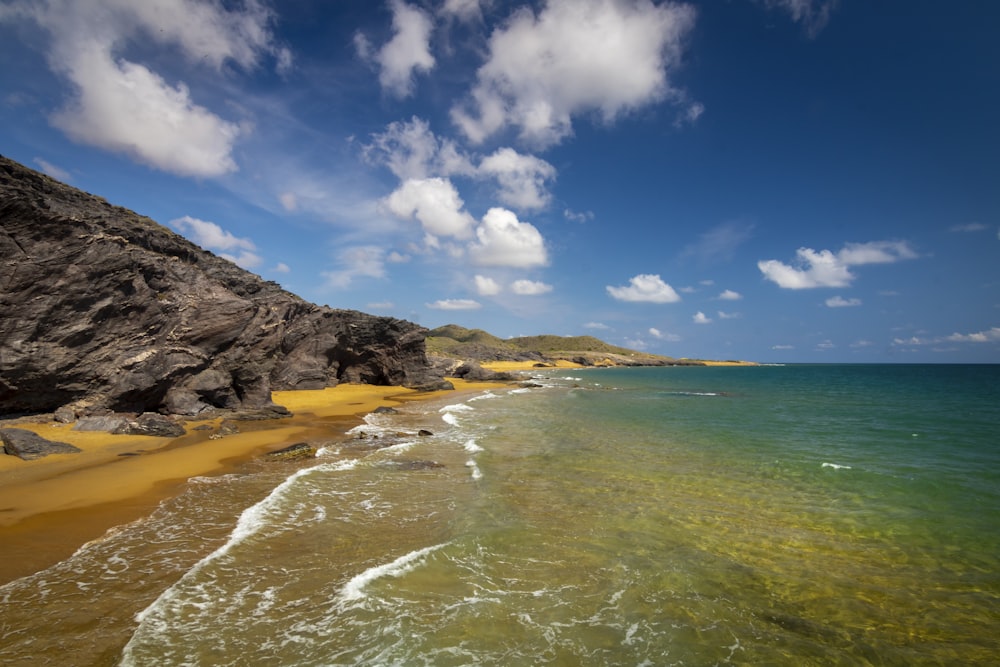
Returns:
point(52, 506)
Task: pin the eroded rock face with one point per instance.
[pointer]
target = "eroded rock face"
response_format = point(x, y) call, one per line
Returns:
point(107, 310)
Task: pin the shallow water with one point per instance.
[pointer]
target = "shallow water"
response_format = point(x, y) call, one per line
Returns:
point(775, 515)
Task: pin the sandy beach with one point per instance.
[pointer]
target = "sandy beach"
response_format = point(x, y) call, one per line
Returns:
point(49, 507)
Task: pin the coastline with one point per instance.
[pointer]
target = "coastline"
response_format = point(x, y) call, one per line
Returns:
point(51, 506)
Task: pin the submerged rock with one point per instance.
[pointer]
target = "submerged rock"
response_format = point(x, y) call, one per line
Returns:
point(28, 445)
point(300, 450)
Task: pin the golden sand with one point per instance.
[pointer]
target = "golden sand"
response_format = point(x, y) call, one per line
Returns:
point(50, 506)
point(510, 366)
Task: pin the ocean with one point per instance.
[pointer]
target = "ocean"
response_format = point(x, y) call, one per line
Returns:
point(772, 515)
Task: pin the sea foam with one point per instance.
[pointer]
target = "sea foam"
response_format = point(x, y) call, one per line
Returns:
point(355, 588)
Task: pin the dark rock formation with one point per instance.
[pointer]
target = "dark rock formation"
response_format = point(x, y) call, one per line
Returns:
point(300, 450)
point(473, 372)
point(29, 445)
point(151, 423)
point(106, 309)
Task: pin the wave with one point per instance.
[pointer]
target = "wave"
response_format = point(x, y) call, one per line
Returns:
point(252, 520)
point(355, 588)
point(835, 466)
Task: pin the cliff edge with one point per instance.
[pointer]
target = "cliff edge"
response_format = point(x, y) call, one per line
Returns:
point(104, 309)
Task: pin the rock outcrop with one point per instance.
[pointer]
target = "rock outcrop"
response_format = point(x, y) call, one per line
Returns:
point(104, 309)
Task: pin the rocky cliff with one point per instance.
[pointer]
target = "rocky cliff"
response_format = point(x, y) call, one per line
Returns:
point(104, 309)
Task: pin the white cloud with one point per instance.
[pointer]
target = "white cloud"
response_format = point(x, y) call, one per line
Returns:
point(281, 267)
point(782, 347)
point(645, 287)
point(411, 150)
point(408, 50)
point(875, 252)
point(841, 302)
point(289, 201)
point(728, 316)
point(486, 286)
point(522, 178)
point(987, 336)
point(861, 343)
point(730, 295)
point(701, 318)
point(529, 288)
point(126, 107)
point(52, 170)
point(826, 269)
point(812, 14)
point(464, 10)
point(213, 237)
point(502, 240)
point(542, 70)
point(584, 216)
point(357, 262)
point(825, 345)
point(820, 269)
point(435, 203)
point(455, 304)
point(599, 326)
point(660, 335)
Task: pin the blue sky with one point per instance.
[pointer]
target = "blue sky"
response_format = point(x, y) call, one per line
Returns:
point(774, 180)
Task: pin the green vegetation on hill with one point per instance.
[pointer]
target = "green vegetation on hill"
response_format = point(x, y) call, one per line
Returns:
point(477, 345)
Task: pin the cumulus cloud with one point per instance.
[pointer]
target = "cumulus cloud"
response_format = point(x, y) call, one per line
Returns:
point(213, 237)
point(987, 336)
point(599, 326)
point(727, 316)
point(701, 318)
point(826, 269)
point(729, 295)
point(503, 240)
point(647, 288)
point(841, 302)
point(522, 178)
point(356, 262)
point(281, 267)
point(407, 52)
point(543, 69)
point(486, 286)
point(455, 304)
point(435, 203)
point(411, 150)
point(126, 107)
point(529, 288)
point(813, 15)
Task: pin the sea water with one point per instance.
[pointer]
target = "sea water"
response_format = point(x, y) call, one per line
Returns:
point(788, 515)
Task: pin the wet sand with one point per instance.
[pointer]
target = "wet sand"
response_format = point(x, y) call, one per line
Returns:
point(51, 506)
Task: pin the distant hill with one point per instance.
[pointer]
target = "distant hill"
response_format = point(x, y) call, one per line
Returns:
point(455, 342)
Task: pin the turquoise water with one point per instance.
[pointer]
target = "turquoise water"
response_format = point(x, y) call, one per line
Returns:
point(790, 515)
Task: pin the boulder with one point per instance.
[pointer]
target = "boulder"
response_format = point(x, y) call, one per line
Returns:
point(150, 423)
point(28, 445)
